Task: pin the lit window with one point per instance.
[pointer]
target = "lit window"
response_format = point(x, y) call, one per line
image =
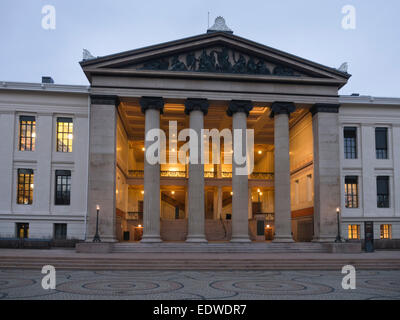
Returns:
point(381, 143)
point(64, 134)
point(350, 142)
point(25, 186)
point(63, 187)
point(354, 231)
point(27, 133)
point(351, 191)
point(386, 231)
point(382, 188)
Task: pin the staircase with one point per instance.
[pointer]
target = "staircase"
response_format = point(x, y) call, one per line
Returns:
point(219, 247)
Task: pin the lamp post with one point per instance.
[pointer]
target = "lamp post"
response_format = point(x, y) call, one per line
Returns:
point(97, 236)
point(338, 237)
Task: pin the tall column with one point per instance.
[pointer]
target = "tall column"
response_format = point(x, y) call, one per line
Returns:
point(280, 111)
point(326, 170)
point(239, 111)
point(102, 166)
point(151, 107)
point(217, 203)
point(196, 109)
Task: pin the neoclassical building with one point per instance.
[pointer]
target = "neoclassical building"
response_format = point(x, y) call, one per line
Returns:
point(68, 150)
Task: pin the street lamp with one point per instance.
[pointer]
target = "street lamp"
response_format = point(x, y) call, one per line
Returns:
point(338, 237)
point(97, 236)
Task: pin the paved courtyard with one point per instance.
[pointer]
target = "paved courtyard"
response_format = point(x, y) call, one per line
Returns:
point(245, 285)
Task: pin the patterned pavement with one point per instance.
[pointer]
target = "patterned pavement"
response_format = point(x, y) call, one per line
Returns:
point(210, 285)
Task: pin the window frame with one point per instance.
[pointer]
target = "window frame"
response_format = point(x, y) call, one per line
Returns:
point(63, 136)
point(354, 194)
point(64, 233)
point(382, 153)
point(352, 229)
point(25, 190)
point(65, 181)
point(23, 133)
point(383, 232)
point(350, 150)
point(386, 202)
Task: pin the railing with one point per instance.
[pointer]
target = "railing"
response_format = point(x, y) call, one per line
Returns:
point(134, 216)
point(207, 174)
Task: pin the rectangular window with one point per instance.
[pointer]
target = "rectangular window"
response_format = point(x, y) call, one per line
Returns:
point(354, 231)
point(382, 188)
point(22, 230)
point(351, 191)
point(60, 231)
point(386, 231)
point(64, 134)
point(350, 142)
point(27, 133)
point(63, 187)
point(381, 143)
point(25, 186)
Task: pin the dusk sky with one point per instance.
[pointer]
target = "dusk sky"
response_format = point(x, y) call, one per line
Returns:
point(311, 29)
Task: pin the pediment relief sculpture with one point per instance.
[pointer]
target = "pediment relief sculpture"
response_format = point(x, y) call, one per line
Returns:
point(218, 60)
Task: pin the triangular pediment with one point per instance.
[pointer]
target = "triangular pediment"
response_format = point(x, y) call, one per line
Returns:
point(214, 54)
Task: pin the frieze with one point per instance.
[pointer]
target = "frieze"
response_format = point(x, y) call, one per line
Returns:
point(218, 60)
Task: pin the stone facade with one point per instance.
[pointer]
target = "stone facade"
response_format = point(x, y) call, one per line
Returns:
point(300, 168)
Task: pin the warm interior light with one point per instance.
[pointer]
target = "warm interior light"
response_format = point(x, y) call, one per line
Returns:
point(268, 225)
point(116, 191)
point(142, 191)
point(97, 207)
point(139, 225)
point(260, 193)
point(231, 193)
point(172, 192)
point(32, 185)
point(34, 135)
point(258, 190)
point(259, 152)
point(173, 149)
point(70, 136)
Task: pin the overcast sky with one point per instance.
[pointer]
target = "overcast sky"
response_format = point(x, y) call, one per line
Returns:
point(311, 29)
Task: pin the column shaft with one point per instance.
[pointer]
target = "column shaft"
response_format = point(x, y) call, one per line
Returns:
point(283, 220)
point(196, 231)
point(151, 206)
point(239, 111)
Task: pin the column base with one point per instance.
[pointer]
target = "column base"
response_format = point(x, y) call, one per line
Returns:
point(240, 239)
point(151, 239)
point(286, 239)
point(196, 239)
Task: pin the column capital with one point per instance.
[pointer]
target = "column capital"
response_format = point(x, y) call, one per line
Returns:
point(156, 103)
point(324, 107)
point(239, 106)
point(104, 99)
point(282, 108)
point(192, 104)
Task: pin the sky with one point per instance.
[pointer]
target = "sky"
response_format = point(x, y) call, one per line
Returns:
point(311, 29)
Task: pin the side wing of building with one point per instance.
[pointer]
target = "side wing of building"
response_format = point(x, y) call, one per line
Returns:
point(370, 166)
point(43, 160)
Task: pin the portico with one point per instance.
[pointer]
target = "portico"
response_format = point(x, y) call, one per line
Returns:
point(213, 81)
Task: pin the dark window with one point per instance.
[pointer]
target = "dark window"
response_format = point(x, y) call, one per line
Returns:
point(60, 231)
point(64, 134)
point(382, 187)
point(63, 187)
point(25, 186)
point(22, 230)
point(350, 142)
point(381, 143)
point(27, 133)
point(351, 191)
